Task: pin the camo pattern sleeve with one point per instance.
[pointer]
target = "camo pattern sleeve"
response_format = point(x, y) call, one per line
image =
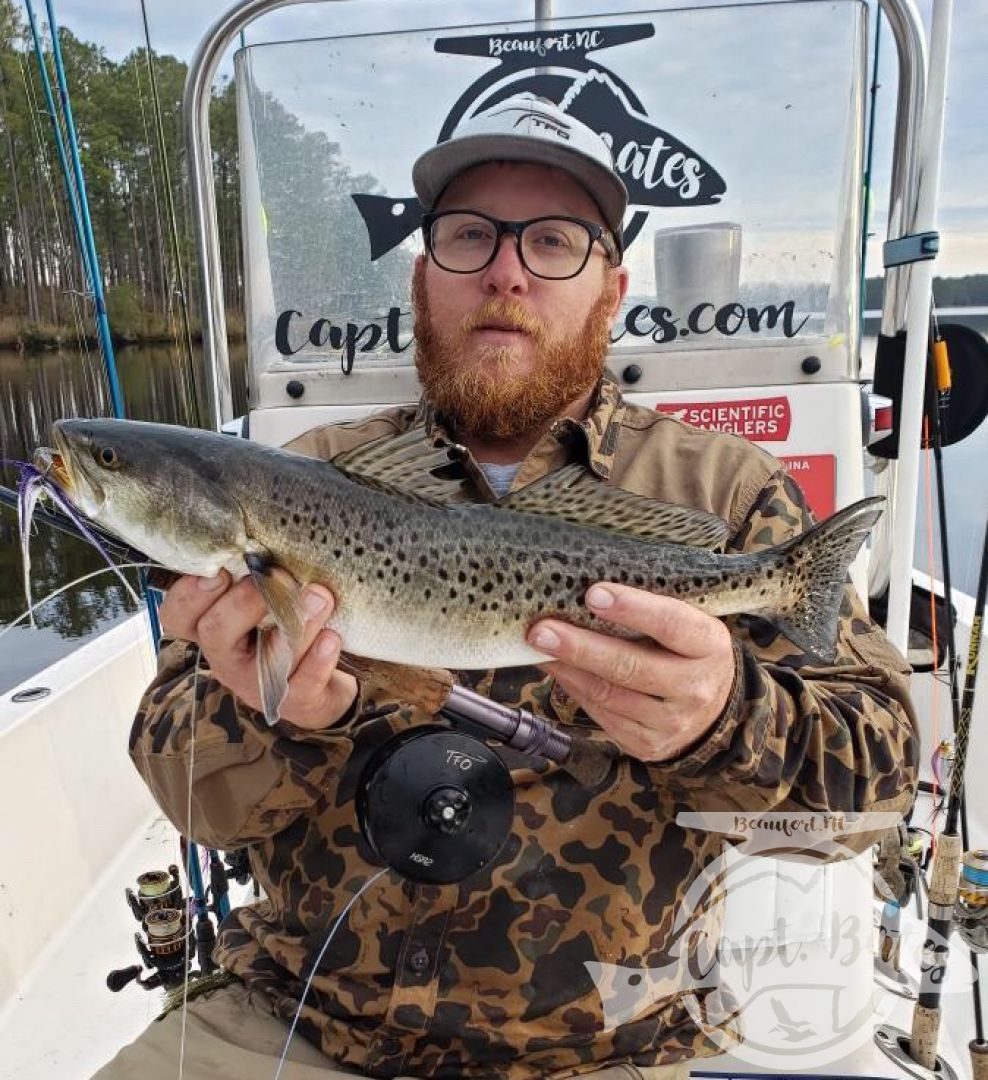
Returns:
point(796, 734)
point(243, 780)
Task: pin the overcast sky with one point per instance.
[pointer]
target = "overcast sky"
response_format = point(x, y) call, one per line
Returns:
point(178, 25)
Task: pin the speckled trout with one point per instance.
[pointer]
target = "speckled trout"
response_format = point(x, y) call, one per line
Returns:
point(421, 575)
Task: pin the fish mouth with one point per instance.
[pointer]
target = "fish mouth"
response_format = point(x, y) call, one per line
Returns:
point(52, 464)
point(61, 465)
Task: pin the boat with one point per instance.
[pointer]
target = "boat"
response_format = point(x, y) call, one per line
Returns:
point(744, 241)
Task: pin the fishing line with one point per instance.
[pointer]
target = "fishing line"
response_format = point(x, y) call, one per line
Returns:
point(64, 588)
point(315, 967)
point(188, 853)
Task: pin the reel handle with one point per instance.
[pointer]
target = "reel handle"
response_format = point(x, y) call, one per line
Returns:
point(117, 980)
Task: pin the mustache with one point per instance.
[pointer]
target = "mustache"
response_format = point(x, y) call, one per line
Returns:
point(509, 314)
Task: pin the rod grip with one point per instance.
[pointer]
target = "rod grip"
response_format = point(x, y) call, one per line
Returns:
point(979, 1059)
point(941, 363)
point(946, 872)
point(924, 1035)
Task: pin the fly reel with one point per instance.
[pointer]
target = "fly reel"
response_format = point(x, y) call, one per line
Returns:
point(435, 805)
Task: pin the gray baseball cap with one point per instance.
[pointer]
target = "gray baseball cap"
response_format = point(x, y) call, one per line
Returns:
point(526, 128)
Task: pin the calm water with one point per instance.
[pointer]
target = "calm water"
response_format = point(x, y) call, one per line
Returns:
point(36, 390)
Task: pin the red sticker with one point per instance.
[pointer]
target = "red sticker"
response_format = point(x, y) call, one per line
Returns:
point(816, 474)
point(758, 419)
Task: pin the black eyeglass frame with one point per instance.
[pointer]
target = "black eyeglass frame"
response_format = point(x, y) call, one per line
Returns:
point(611, 244)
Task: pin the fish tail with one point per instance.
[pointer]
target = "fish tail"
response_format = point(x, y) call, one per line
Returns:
point(815, 566)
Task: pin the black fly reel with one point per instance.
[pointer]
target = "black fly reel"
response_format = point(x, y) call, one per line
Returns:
point(435, 805)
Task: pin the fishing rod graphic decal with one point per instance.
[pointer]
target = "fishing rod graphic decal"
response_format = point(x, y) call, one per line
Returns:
point(658, 169)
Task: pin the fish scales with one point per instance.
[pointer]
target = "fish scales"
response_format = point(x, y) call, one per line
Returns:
point(419, 581)
point(461, 586)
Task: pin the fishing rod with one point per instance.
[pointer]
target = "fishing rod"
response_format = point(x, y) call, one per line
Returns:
point(183, 299)
point(75, 184)
point(940, 390)
point(945, 874)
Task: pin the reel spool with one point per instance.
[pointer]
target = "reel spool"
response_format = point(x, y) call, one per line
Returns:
point(155, 889)
point(971, 909)
point(435, 805)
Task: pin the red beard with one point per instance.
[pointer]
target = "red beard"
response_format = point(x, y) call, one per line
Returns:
point(477, 391)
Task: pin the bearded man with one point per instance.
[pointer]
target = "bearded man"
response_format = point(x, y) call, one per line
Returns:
point(514, 296)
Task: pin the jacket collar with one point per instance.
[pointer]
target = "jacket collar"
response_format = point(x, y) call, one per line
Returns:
point(600, 428)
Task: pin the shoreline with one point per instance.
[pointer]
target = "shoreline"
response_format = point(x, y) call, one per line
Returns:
point(27, 338)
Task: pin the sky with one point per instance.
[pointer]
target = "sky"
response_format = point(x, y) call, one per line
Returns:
point(178, 25)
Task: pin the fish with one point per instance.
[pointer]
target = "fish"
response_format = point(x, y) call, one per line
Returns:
point(423, 576)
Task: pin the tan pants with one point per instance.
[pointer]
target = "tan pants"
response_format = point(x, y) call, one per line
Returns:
point(231, 1035)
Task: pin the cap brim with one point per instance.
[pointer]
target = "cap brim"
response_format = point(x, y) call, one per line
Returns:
point(439, 165)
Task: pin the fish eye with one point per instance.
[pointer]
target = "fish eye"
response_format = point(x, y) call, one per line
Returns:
point(107, 457)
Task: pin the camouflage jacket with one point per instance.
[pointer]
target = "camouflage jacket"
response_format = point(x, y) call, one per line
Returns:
point(493, 977)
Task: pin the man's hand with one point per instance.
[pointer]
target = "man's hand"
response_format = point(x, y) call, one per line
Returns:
point(220, 617)
point(655, 697)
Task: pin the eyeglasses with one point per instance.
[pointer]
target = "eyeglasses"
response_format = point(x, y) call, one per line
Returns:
point(466, 241)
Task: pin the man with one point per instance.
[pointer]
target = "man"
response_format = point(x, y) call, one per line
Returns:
point(514, 297)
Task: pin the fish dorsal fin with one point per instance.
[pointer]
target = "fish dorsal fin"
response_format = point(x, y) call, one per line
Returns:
point(408, 464)
point(576, 495)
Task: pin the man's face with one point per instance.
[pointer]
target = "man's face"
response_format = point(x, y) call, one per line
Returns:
point(501, 352)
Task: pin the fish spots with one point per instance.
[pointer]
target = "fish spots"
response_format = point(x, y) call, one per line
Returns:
point(284, 521)
point(297, 518)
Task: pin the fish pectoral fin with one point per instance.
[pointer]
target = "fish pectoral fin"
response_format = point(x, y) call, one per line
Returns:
point(281, 592)
point(274, 665)
point(407, 464)
point(574, 494)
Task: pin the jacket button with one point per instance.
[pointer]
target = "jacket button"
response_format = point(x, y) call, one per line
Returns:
point(418, 960)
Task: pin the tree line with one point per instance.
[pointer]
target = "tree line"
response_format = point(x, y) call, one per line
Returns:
point(41, 275)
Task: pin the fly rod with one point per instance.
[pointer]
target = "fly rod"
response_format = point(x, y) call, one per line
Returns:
point(945, 875)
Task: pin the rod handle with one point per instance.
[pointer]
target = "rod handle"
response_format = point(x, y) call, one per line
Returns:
point(924, 1036)
point(979, 1059)
point(941, 364)
point(946, 872)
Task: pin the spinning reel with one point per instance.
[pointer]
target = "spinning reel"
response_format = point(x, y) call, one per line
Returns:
point(971, 908)
point(168, 941)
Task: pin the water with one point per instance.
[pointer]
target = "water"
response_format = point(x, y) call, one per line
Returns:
point(34, 390)
point(37, 389)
